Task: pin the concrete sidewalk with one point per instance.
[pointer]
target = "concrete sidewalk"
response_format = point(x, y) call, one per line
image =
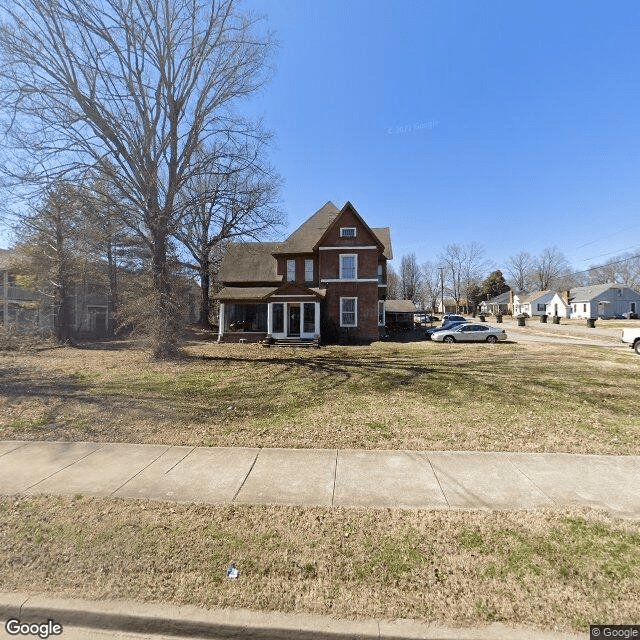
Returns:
point(379, 479)
point(91, 620)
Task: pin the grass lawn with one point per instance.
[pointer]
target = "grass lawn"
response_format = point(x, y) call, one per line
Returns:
point(542, 569)
point(419, 396)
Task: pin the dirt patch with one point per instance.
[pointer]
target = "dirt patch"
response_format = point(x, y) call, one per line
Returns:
point(543, 569)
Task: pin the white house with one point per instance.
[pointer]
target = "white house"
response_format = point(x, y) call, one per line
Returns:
point(603, 300)
point(559, 305)
point(533, 304)
point(497, 305)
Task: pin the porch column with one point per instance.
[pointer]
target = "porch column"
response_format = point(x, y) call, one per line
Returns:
point(301, 306)
point(221, 321)
point(270, 318)
point(317, 318)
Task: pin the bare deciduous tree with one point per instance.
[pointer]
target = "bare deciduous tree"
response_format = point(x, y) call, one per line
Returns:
point(236, 203)
point(431, 286)
point(132, 90)
point(410, 277)
point(464, 267)
point(549, 267)
point(519, 269)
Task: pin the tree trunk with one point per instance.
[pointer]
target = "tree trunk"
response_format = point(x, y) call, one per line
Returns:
point(205, 283)
point(113, 290)
point(163, 325)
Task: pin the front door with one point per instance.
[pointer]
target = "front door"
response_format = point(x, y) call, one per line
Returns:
point(293, 320)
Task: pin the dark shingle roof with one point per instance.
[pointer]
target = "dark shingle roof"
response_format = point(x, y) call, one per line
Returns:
point(250, 262)
point(307, 235)
point(384, 235)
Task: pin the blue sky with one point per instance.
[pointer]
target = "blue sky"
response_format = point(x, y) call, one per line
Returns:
point(514, 124)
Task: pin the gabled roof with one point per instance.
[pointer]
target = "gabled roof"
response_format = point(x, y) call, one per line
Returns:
point(584, 294)
point(308, 234)
point(535, 295)
point(503, 298)
point(250, 262)
point(349, 207)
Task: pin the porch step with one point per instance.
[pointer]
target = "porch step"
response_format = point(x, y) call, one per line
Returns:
point(305, 343)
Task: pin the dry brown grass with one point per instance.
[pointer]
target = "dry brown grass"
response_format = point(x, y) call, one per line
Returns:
point(543, 569)
point(420, 396)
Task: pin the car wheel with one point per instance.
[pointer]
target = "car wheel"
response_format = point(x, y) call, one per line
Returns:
point(636, 346)
point(492, 339)
point(448, 339)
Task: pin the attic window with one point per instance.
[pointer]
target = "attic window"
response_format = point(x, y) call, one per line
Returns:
point(347, 232)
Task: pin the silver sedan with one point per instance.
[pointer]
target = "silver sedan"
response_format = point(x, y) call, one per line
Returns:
point(470, 333)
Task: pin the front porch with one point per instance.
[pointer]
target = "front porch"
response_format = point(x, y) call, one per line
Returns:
point(293, 320)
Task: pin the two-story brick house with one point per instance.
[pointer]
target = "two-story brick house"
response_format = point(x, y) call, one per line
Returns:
point(328, 276)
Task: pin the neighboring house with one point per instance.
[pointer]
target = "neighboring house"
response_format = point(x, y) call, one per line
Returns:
point(19, 307)
point(450, 306)
point(498, 305)
point(25, 310)
point(533, 304)
point(603, 300)
point(399, 314)
point(327, 281)
point(559, 305)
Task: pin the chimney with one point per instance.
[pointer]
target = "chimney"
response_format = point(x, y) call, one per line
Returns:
point(565, 297)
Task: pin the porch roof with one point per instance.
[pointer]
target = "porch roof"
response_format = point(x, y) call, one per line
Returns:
point(262, 294)
point(245, 293)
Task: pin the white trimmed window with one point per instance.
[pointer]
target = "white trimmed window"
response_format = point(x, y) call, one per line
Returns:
point(291, 270)
point(308, 270)
point(347, 232)
point(380, 274)
point(348, 266)
point(348, 312)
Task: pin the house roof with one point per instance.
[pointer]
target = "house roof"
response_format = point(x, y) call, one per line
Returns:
point(384, 235)
point(259, 293)
point(400, 306)
point(305, 238)
point(535, 295)
point(503, 298)
point(245, 293)
point(583, 294)
point(307, 235)
point(250, 262)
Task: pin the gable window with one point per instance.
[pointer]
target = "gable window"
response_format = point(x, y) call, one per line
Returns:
point(348, 266)
point(380, 274)
point(308, 270)
point(348, 312)
point(291, 270)
point(347, 232)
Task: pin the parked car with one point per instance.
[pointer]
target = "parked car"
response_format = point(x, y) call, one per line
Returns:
point(452, 316)
point(453, 323)
point(424, 318)
point(632, 338)
point(468, 332)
